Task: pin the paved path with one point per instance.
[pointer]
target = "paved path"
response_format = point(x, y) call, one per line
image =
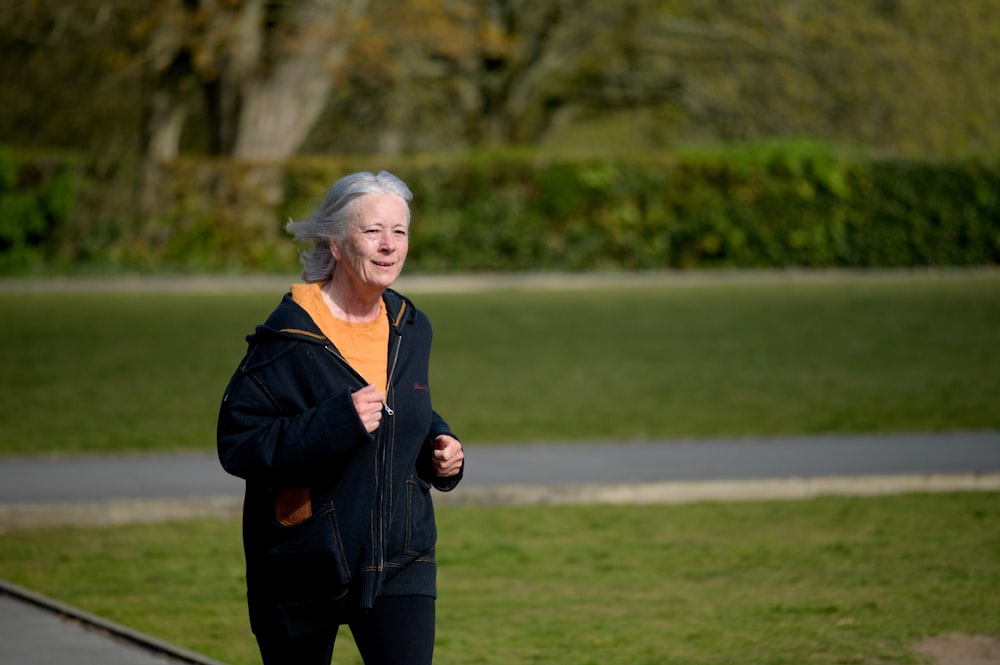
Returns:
point(150, 487)
point(109, 490)
point(35, 630)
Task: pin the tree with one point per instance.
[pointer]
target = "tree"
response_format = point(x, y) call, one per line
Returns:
point(263, 79)
point(433, 74)
point(65, 72)
point(901, 76)
point(264, 71)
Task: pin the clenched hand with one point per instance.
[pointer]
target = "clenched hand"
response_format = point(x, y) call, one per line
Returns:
point(368, 403)
point(448, 456)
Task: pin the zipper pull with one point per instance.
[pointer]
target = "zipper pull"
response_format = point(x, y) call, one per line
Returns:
point(388, 410)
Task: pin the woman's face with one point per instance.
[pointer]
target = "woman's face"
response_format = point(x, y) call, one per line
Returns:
point(372, 253)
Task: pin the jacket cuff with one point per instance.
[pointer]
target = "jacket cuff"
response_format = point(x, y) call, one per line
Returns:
point(449, 483)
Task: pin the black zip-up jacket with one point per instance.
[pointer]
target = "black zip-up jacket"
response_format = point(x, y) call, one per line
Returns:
point(333, 516)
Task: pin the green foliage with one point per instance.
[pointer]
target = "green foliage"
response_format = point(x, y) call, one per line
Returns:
point(911, 78)
point(776, 204)
point(773, 205)
point(924, 214)
point(36, 199)
point(218, 216)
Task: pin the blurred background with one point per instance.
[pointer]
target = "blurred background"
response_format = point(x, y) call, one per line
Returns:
point(548, 134)
point(177, 137)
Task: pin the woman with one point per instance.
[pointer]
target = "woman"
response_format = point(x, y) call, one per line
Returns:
point(328, 418)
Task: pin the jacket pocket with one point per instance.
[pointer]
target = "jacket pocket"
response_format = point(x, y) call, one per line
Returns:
point(304, 560)
point(421, 532)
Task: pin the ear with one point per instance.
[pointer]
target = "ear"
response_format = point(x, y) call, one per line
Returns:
point(334, 250)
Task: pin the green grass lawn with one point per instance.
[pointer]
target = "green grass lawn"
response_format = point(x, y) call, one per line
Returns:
point(832, 580)
point(99, 372)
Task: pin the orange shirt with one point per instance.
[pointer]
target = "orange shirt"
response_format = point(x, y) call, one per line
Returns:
point(364, 345)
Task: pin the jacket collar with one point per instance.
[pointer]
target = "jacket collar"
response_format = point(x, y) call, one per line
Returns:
point(289, 320)
point(399, 309)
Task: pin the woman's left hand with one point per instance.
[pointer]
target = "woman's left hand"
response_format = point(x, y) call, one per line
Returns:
point(448, 456)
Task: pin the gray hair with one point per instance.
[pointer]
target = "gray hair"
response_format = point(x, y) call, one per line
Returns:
point(331, 221)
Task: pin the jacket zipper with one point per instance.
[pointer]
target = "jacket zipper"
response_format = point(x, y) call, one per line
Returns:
point(385, 435)
point(392, 370)
point(378, 517)
point(388, 381)
point(336, 354)
point(382, 446)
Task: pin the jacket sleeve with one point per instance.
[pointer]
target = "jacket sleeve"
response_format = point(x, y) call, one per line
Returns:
point(258, 442)
point(425, 468)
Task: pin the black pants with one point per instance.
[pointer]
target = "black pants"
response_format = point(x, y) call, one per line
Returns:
point(398, 630)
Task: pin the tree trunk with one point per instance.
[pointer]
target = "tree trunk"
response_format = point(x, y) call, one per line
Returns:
point(164, 125)
point(265, 71)
point(277, 113)
point(281, 103)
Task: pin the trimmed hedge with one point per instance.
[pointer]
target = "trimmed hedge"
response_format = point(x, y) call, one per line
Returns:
point(770, 205)
point(696, 212)
point(36, 199)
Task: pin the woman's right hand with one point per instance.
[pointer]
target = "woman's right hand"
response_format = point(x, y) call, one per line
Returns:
point(368, 403)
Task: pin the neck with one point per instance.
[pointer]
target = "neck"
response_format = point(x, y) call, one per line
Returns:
point(349, 304)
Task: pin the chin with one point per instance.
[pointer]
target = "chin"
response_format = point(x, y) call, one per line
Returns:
point(385, 280)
